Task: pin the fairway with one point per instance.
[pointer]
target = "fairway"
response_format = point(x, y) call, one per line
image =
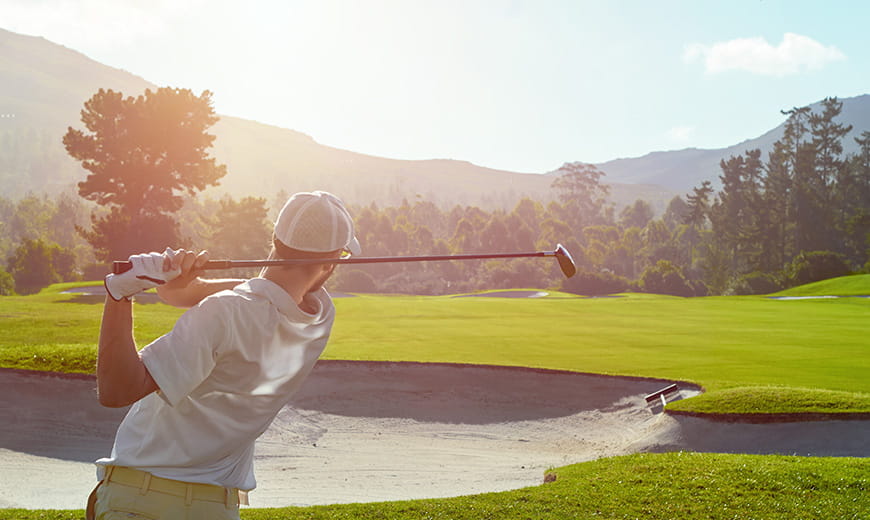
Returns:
point(751, 354)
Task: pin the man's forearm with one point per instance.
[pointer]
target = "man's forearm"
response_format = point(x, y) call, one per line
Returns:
point(122, 378)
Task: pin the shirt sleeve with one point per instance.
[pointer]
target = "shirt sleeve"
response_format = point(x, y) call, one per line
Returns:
point(182, 359)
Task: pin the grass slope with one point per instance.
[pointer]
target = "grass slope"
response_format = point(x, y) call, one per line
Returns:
point(752, 354)
point(854, 285)
point(674, 485)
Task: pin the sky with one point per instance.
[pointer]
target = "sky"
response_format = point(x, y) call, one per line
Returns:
point(514, 85)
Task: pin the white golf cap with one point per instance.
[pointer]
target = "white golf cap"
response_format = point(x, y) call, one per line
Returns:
point(316, 222)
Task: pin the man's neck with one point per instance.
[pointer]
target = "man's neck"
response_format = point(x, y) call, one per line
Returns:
point(293, 282)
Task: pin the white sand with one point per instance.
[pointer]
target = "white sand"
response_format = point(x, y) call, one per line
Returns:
point(362, 432)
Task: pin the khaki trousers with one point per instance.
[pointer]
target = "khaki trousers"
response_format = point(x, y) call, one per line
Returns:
point(133, 494)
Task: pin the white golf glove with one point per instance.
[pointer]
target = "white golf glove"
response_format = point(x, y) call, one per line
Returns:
point(147, 273)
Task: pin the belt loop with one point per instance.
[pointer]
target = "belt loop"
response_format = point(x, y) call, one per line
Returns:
point(146, 483)
point(228, 497)
point(188, 495)
point(109, 470)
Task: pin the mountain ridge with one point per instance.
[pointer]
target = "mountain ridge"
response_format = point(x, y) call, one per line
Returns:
point(698, 164)
point(46, 85)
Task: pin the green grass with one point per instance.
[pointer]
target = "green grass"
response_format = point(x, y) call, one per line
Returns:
point(811, 347)
point(854, 285)
point(751, 354)
point(58, 332)
point(647, 486)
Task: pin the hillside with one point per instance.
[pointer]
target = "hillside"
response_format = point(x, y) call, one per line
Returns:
point(264, 159)
point(683, 169)
point(45, 86)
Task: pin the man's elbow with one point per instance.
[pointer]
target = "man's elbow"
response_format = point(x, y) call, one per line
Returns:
point(113, 400)
point(115, 396)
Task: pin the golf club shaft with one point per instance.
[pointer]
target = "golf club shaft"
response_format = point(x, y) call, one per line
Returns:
point(123, 266)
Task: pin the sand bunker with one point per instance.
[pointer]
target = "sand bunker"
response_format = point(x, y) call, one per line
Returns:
point(505, 294)
point(363, 431)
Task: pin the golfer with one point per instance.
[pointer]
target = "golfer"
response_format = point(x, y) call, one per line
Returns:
point(205, 391)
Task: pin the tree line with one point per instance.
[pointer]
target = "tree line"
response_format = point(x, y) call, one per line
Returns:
point(802, 213)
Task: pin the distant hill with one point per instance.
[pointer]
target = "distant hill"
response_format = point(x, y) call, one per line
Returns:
point(42, 89)
point(683, 169)
point(275, 158)
point(44, 86)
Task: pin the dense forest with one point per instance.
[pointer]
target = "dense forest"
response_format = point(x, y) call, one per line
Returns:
point(800, 214)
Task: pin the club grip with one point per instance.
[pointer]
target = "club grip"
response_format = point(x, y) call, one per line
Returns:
point(121, 266)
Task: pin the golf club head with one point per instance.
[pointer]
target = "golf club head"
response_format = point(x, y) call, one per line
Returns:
point(566, 263)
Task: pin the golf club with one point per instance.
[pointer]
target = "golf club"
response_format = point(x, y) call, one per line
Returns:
point(566, 263)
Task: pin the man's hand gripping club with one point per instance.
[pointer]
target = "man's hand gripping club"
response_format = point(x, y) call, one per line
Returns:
point(149, 270)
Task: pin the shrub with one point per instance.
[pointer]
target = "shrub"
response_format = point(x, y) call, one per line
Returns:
point(665, 278)
point(7, 284)
point(96, 271)
point(813, 266)
point(353, 280)
point(595, 284)
point(755, 283)
point(31, 266)
point(698, 288)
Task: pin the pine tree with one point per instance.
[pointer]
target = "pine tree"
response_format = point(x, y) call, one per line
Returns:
point(142, 153)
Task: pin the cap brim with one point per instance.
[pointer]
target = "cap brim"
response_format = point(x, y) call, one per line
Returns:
point(354, 247)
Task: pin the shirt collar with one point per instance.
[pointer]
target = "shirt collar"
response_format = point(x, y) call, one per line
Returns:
point(273, 292)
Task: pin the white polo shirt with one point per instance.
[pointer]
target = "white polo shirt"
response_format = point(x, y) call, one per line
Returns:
point(224, 371)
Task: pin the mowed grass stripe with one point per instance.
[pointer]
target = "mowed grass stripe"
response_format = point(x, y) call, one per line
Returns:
point(719, 342)
point(818, 348)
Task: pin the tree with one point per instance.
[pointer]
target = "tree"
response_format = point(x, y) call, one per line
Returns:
point(737, 218)
point(657, 242)
point(779, 209)
point(495, 237)
point(353, 280)
point(7, 283)
point(665, 278)
point(800, 159)
point(855, 198)
point(595, 283)
point(637, 215)
point(675, 213)
point(142, 153)
point(813, 266)
point(829, 168)
point(37, 264)
point(580, 191)
point(241, 229)
point(698, 203)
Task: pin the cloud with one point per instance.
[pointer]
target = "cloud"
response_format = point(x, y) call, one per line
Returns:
point(795, 54)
